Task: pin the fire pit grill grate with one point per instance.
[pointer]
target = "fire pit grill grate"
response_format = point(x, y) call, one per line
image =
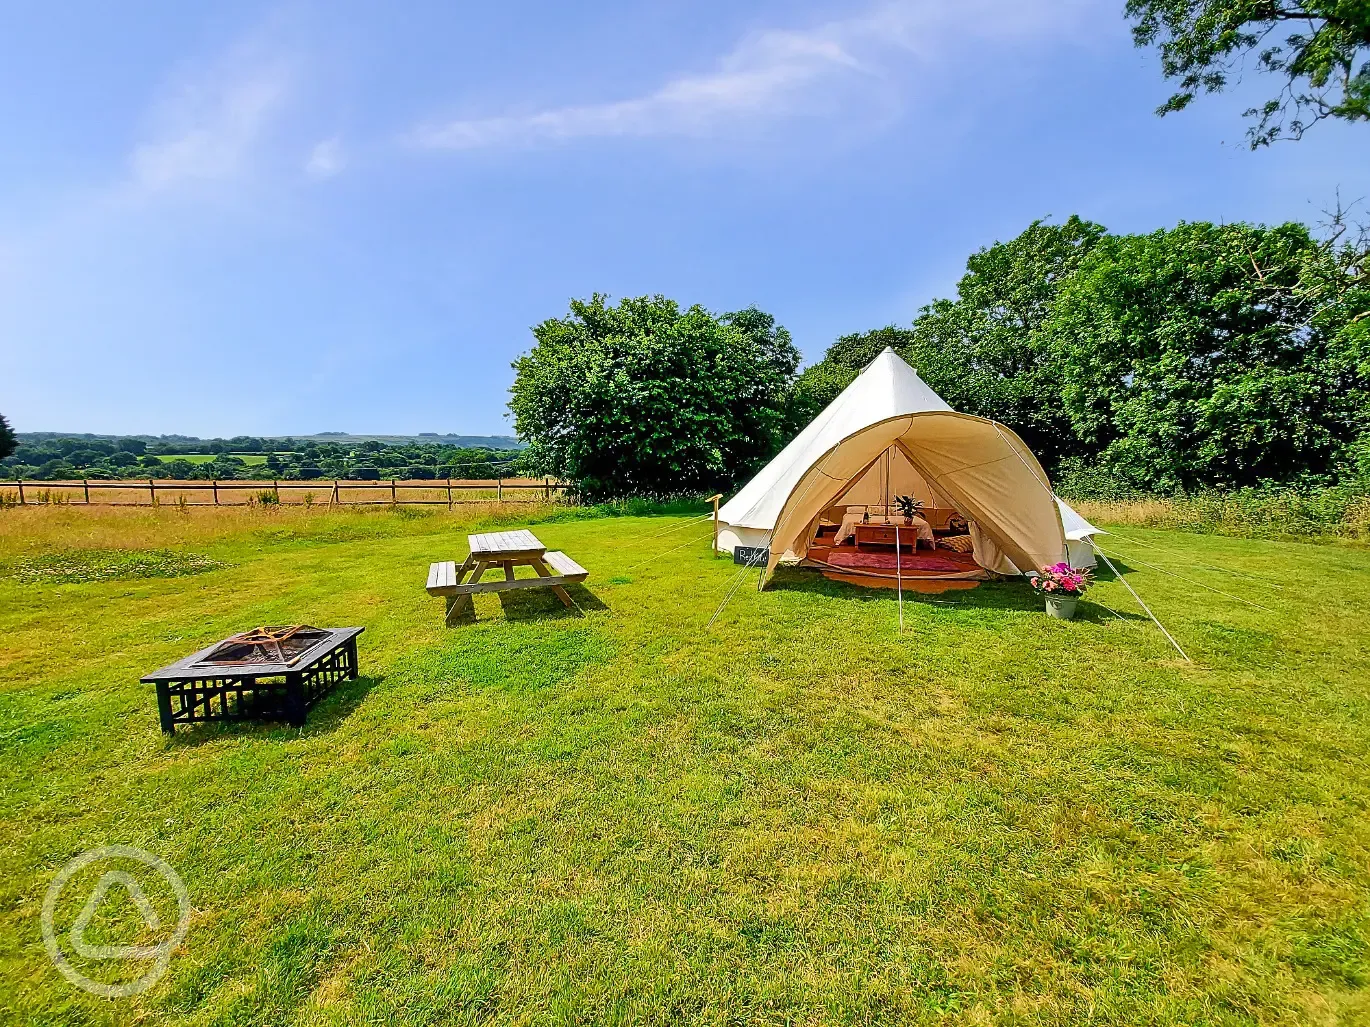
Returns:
point(284, 645)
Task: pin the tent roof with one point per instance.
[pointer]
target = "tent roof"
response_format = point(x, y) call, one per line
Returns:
point(887, 388)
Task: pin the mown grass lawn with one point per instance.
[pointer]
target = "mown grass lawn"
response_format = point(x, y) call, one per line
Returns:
point(797, 815)
point(204, 458)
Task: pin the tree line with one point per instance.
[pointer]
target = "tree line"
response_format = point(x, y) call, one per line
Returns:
point(48, 457)
point(1199, 356)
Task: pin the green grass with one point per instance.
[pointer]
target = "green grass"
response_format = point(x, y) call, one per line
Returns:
point(797, 815)
point(250, 459)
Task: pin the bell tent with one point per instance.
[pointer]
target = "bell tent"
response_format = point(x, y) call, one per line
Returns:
point(985, 506)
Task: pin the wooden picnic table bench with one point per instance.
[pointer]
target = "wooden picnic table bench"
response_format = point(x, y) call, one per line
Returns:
point(506, 549)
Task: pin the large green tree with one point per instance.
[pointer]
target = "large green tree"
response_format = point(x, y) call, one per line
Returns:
point(1215, 355)
point(1319, 48)
point(8, 442)
point(983, 352)
point(643, 398)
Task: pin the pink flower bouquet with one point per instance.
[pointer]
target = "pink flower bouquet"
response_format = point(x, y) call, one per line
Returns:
point(1061, 579)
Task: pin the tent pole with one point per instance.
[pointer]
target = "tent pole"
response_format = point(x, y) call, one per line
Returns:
point(899, 575)
point(887, 488)
point(714, 500)
point(1140, 603)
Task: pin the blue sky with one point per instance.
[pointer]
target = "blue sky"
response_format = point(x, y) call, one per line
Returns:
point(249, 218)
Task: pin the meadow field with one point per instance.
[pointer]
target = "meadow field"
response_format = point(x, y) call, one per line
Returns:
point(250, 459)
point(795, 814)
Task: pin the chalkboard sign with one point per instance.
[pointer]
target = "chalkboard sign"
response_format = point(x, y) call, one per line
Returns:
point(752, 556)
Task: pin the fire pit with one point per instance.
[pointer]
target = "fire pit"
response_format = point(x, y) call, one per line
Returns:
point(268, 673)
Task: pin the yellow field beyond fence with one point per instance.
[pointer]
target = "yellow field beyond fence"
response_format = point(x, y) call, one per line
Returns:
point(327, 492)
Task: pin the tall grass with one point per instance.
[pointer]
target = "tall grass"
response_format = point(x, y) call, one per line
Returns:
point(36, 529)
point(1324, 515)
point(39, 528)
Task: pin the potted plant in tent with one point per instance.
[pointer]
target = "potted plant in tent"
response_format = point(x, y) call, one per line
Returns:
point(908, 507)
point(1061, 585)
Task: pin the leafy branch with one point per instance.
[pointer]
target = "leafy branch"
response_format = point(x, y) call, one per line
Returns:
point(1320, 47)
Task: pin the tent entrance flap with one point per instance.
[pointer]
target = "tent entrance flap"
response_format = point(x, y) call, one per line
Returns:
point(981, 468)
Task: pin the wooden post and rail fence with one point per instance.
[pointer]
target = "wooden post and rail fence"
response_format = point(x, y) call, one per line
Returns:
point(449, 492)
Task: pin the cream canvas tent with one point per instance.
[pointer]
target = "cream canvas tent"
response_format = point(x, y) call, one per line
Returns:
point(889, 434)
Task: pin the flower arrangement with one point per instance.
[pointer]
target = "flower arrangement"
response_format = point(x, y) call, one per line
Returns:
point(908, 506)
point(1062, 580)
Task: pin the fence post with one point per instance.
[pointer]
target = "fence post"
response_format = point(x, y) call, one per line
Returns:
point(85, 486)
point(449, 493)
point(21, 491)
point(394, 501)
point(151, 492)
point(333, 497)
point(276, 491)
point(214, 484)
point(546, 490)
point(499, 490)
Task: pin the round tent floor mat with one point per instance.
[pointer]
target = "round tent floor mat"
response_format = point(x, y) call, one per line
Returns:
point(940, 562)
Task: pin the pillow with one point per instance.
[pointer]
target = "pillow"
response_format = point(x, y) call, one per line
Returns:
point(957, 543)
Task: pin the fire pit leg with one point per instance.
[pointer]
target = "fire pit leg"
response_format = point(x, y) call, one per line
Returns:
point(352, 657)
point(164, 707)
point(295, 709)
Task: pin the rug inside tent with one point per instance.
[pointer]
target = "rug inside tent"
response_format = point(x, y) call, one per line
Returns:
point(939, 562)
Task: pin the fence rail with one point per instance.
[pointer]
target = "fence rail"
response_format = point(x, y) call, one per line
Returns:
point(447, 492)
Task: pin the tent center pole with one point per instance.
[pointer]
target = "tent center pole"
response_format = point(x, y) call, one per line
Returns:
point(899, 574)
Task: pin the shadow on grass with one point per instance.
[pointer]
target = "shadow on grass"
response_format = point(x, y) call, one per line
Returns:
point(543, 604)
point(1004, 596)
point(327, 716)
point(1102, 573)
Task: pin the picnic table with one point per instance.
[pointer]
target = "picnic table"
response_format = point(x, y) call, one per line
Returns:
point(507, 550)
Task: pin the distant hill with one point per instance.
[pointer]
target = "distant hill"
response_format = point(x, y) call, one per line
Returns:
point(340, 437)
point(464, 441)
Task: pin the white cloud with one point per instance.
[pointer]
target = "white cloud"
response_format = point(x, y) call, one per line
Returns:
point(209, 125)
point(326, 159)
point(778, 73)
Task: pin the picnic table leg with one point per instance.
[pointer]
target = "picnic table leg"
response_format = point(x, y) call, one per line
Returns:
point(561, 593)
point(457, 605)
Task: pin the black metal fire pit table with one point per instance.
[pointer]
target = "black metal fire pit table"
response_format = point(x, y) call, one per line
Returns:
point(268, 673)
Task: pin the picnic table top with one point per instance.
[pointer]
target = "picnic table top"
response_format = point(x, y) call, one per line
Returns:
point(499, 543)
